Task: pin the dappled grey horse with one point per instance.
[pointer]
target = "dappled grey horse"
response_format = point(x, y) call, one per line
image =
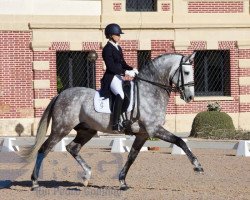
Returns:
point(74, 109)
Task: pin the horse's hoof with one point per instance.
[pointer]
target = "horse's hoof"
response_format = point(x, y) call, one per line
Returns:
point(123, 187)
point(199, 170)
point(35, 186)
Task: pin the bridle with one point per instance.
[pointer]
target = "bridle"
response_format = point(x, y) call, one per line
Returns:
point(181, 87)
point(169, 88)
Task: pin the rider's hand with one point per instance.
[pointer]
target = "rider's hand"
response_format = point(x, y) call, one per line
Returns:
point(130, 73)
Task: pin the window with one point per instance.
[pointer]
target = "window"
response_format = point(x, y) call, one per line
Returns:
point(141, 5)
point(212, 73)
point(74, 70)
point(143, 57)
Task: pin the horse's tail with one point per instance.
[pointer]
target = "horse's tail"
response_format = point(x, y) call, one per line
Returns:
point(29, 153)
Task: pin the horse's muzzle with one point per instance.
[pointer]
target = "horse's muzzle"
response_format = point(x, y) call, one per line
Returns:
point(186, 98)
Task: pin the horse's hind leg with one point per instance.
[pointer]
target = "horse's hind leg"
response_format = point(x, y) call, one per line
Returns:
point(165, 135)
point(46, 147)
point(135, 149)
point(82, 137)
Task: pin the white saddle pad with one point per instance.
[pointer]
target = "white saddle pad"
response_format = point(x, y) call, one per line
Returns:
point(102, 105)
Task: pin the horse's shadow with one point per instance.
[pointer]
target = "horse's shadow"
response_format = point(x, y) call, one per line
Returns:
point(46, 184)
point(72, 186)
point(56, 184)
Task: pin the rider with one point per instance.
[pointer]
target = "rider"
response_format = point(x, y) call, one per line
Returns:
point(117, 71)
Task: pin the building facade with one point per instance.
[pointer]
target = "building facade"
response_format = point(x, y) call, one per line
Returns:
point(38, 37)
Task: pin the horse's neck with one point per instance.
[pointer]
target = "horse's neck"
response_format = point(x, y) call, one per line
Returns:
point(155, 73)
point(152, 72)
point(149, 72)
point(151, 93)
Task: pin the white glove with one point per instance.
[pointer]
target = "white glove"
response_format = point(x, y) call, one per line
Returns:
point(130, 73)
point(136, 71)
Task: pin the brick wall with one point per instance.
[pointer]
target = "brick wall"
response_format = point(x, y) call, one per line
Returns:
point(16, 73)
point(16, 97)
point(161, 46)
point(215, 6)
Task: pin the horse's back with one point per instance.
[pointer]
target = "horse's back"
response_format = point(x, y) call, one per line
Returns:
point(78, 91)
point(73, 99)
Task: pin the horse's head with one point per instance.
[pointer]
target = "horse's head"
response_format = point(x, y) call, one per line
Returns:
point(183, 78)
point(169, 69)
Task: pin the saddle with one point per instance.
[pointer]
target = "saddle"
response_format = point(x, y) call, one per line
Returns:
point(105, 105)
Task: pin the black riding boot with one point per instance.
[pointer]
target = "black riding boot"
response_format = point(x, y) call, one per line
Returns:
point(117, 109)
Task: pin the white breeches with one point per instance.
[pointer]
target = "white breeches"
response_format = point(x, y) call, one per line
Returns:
point(116, 86)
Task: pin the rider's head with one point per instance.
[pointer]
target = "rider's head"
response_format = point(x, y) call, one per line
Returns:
point(112, 31)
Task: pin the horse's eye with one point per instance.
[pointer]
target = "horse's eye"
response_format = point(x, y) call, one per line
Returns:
point(186, 73)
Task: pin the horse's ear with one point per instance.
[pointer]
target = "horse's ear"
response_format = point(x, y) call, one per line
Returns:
point(189, 59)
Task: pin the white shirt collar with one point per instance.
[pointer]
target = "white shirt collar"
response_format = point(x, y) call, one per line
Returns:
point(114, 44)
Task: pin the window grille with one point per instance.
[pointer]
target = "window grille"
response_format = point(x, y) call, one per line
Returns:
point(141, 5)
point(74, 70)
point(143, 57)
point(212, 73)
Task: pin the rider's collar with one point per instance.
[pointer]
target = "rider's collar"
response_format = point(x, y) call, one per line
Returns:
point(114, 44)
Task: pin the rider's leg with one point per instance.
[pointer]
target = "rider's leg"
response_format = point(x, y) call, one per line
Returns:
point(116, 88)
point(117, 109)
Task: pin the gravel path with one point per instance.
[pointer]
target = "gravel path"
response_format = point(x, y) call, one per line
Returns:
point(154, 175)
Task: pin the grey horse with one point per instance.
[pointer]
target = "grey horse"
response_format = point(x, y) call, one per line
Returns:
point(74, 109)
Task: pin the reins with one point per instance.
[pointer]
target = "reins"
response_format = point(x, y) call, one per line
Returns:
point(165, 87)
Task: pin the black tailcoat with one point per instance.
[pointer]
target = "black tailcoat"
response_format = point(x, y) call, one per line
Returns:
point(115, 65)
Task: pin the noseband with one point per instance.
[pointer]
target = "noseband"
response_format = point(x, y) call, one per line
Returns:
point(169, 88)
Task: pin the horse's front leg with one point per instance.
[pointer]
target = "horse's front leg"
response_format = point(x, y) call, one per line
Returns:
point(135, 149)
point(167, 136)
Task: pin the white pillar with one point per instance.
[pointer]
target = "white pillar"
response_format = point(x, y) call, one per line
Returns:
point(243, 148)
